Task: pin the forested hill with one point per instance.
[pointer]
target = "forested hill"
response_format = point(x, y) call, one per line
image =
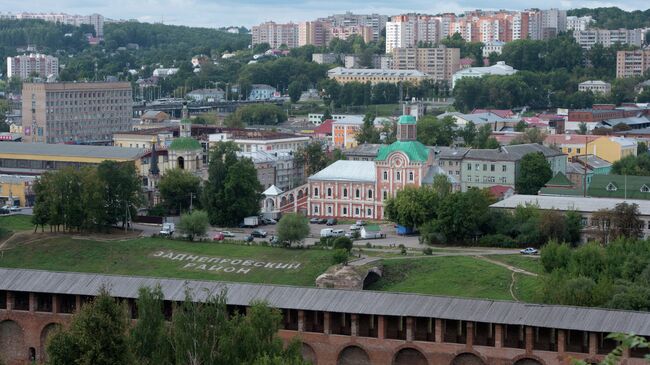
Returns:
point(197, 40)
point(615, 18)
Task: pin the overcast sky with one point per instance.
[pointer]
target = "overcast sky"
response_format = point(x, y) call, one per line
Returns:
point(217, 13)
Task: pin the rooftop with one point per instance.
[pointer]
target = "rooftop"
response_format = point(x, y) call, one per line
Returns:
point(366, 150)
point(511, 153)
point(580, 204)
point(343, 170)
point(342, 71)
point(499, 69)
point(620, 186)
point(414, 150)
point(342, 301)
point(185, 144)
point(52, 151)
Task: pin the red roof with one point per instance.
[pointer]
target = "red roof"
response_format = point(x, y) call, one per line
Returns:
point(503, 113)
point(560, 139)
point(325, 128)
point(498, 191)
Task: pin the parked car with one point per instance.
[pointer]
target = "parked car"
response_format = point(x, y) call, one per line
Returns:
point(4, 211)
point(274, 240)
point(218, 237)
point(259, 234)
point(15, 209)
point(322, 221)
point(269, 221)
point(355, 227)
point(227, 234)
point(360, 223)
point(331, 222)
point(326, 232)
point(249, 238)
point(167, 229)
point(314, 220)
point(529, 251)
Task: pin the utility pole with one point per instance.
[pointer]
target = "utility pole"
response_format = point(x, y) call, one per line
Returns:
point(191, 201)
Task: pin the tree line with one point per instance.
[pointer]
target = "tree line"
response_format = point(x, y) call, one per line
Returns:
point(205, 332)
point(615, 18)
point(89, 198)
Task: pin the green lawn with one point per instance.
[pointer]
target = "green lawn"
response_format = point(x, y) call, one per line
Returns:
point(453, 276)
point(529, 263)
point(16, 222)
point(143, 257)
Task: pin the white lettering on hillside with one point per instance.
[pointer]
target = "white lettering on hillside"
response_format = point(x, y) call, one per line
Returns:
point(203, 263)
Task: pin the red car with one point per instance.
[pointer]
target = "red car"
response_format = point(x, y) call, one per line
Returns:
point(219, 237)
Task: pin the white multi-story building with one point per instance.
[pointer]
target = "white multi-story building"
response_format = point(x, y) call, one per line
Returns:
point(276, 34)
point(493, 47)
point(410, 29)
point(96, 20)
point(500, 69)
point(23, 66)
point(595, 86)
point(578, 22)
point(609, 37)
point(375, 21)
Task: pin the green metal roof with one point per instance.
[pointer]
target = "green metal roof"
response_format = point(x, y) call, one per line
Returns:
point(632, 187)
point(559, 180)
point(407, 119)
point(415, 150)
point(186, 121)
point(372, 228)
point(573, 191)
point(185, 143)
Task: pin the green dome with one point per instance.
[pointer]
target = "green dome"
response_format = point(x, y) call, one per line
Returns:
point(407, 119)
point(415, 150)
point(185, 144)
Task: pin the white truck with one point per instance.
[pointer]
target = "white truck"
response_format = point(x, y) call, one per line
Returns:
point(167, 229)
point(251, 222)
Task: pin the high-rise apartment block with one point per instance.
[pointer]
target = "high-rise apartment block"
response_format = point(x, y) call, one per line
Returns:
point(578, 22)
point(609, 37)
point(96, 20)
point(75, 112)
point(409, 30)
point(320, 32)
point(375, 22)
point(632, 63)
point(440, 62)
point(276, 34)
point(32, 64)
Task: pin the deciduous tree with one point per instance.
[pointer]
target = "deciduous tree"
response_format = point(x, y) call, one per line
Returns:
point(534, 172)
point(292, 228)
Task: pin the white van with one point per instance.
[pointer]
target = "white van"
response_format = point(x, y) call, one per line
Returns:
point(338, 233)
point(327, 232)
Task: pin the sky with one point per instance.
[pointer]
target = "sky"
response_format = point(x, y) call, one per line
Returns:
point(219, 13)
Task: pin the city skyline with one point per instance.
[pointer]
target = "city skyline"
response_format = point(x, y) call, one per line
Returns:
point(208, 13)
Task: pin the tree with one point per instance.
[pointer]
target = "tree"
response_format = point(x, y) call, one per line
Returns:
point(412, 207)
point(122, 189)
point(292, 228)
point(641, 148)
point(438, 132)
point(625, 221)
point(342, 243)
point(468, 133)
point(194, 224)
point(232, 191)
point(368, 132)
point(484, 138)
point(98, 335)
point(313, 157)
point(582, 128)
point(178, 189)
point(555, 256)
point(257, 114)
point(149, 339)
point(534, 172)
point(461, 216)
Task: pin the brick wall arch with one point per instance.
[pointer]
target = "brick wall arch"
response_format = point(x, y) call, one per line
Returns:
point(467, 358)
point(409, 356)
point(353, 355)
point(47, 331)
point(12, 342)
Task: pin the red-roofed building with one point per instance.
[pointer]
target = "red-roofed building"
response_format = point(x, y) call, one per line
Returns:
point(324, 130)
point(501, 192)
point(503, 113)
point(466, 62)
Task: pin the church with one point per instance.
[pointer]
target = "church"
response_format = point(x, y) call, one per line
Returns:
point(359, 189)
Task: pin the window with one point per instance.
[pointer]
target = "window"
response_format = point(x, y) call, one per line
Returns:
point(492, 167)
point(345, 211)
point(345, 192)
point(569, 149)
point(369, 194)
point(611, 187)
point(503, 180)
point(484, 167)
point(329, 210)
point(357, 193)
point(385, 195)
point(356, 211)
point(578, 150)
point(477, 167)
point(398, 176)
point(469, 167)
point(316, 192)
point(369, 213)
point(385, 175)
point(329, 192)
point(645, 188)
point(410, 176)
point(504, 168)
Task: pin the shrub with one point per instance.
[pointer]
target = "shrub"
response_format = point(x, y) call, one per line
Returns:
point(497, 240)
point(427, 251)
point(340, 257)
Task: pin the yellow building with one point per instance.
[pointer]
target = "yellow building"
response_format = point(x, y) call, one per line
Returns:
point(612, 149)
point(344, 132)
point(37, 158)
point(571, 145)
point(16, 190)
point(144, 138)
point(375, 75)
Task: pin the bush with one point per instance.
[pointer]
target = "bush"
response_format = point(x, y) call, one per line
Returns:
point(497, 240)
point(427, 251)
point(555, 256)
point(343, 243)
point(340, 257)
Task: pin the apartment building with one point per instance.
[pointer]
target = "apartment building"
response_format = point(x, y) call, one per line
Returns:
point(75, 112)
point(320, 33)
point(34, 63)
point(595, 86)
point(96, 20)
point(609, 37)
point(376, 22)
point(276, 34)
point(632, 63)
point(440, 62)
point(410, 29)
point(493, 47)
point(375, 76)
point(578, 23)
